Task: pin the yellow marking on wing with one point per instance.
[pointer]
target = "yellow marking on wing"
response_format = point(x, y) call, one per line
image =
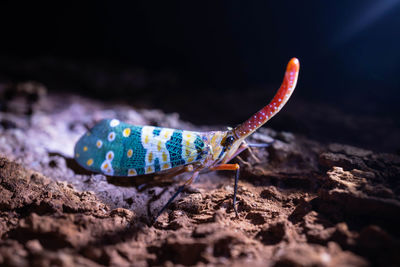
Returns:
point(77, 155)
point(167, 133)
point(150, 157)
point(187, 151)
point(213, 140)
point(129, 153)
point(99, 143)
point(89, 162)
point(164, 157)
point(106, 167)
point(111, 136)
point(149, 169)
point(165, 166)
point(132, 172)
point(126, 132)
point(187, 143)
point(159, 145)
point(190, 159)
point(85, 148)
point(146, 139)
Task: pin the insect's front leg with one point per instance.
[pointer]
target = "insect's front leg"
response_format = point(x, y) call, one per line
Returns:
point(235, 167)
point(249, 147)
point(230, 167)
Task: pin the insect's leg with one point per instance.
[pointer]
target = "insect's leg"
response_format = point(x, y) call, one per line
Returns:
point(230, 167)
point(252, 154)
point(242, 147)
point(245, 146)
point(180, 189)
point(249, 146)
point(193, 178)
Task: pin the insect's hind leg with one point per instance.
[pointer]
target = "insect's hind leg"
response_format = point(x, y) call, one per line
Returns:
point(230, 167)
point(180, 189)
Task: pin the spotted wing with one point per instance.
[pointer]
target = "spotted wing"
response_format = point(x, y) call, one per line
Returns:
point(120, 149)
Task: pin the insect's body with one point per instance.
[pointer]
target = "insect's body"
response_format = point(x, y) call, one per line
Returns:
point(119, 149)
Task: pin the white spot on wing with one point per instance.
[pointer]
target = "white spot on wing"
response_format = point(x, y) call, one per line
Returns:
point(114, 122)
point(99, 143)
point(132, 172)
point(110, 155)
point(111, 136)
point(106, 167)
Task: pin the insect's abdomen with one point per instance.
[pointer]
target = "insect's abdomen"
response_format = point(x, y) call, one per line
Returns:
point(120, 149)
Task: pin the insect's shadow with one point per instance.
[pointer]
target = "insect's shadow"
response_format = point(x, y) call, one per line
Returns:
point(142, 183)
point(71, 164)
point(146, 183)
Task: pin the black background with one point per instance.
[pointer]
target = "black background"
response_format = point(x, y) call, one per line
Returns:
point(349, 52)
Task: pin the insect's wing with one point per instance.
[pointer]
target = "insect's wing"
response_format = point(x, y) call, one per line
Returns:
point(120, 149)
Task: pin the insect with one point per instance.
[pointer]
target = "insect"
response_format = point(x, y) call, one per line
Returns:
point(116, 148)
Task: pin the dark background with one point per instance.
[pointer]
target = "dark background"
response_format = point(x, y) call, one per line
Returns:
point(217, 62)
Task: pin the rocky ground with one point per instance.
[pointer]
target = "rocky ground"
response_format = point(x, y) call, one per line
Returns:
point(301, 203)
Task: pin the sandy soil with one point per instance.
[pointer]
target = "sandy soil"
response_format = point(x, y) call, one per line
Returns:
point(301, 203)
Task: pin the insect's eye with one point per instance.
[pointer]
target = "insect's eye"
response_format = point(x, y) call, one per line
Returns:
point(228, 141)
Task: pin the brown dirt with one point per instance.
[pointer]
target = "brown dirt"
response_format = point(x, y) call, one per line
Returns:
point(301, 203)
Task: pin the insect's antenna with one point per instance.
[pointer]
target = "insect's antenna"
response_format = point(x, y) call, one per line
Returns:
point(279, 100)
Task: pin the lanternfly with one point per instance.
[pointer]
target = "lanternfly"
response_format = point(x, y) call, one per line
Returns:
point(116, 148)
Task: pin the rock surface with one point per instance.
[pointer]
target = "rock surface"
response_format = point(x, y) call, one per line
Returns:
point(301, 203)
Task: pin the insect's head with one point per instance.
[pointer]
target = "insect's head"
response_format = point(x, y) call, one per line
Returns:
point(219, 143)
point(228, 140)
point(229, 143)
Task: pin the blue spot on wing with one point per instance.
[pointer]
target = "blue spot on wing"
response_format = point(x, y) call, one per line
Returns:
point(156, 131)
point(157, 167)
point(199, 145)
point(174, 147)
